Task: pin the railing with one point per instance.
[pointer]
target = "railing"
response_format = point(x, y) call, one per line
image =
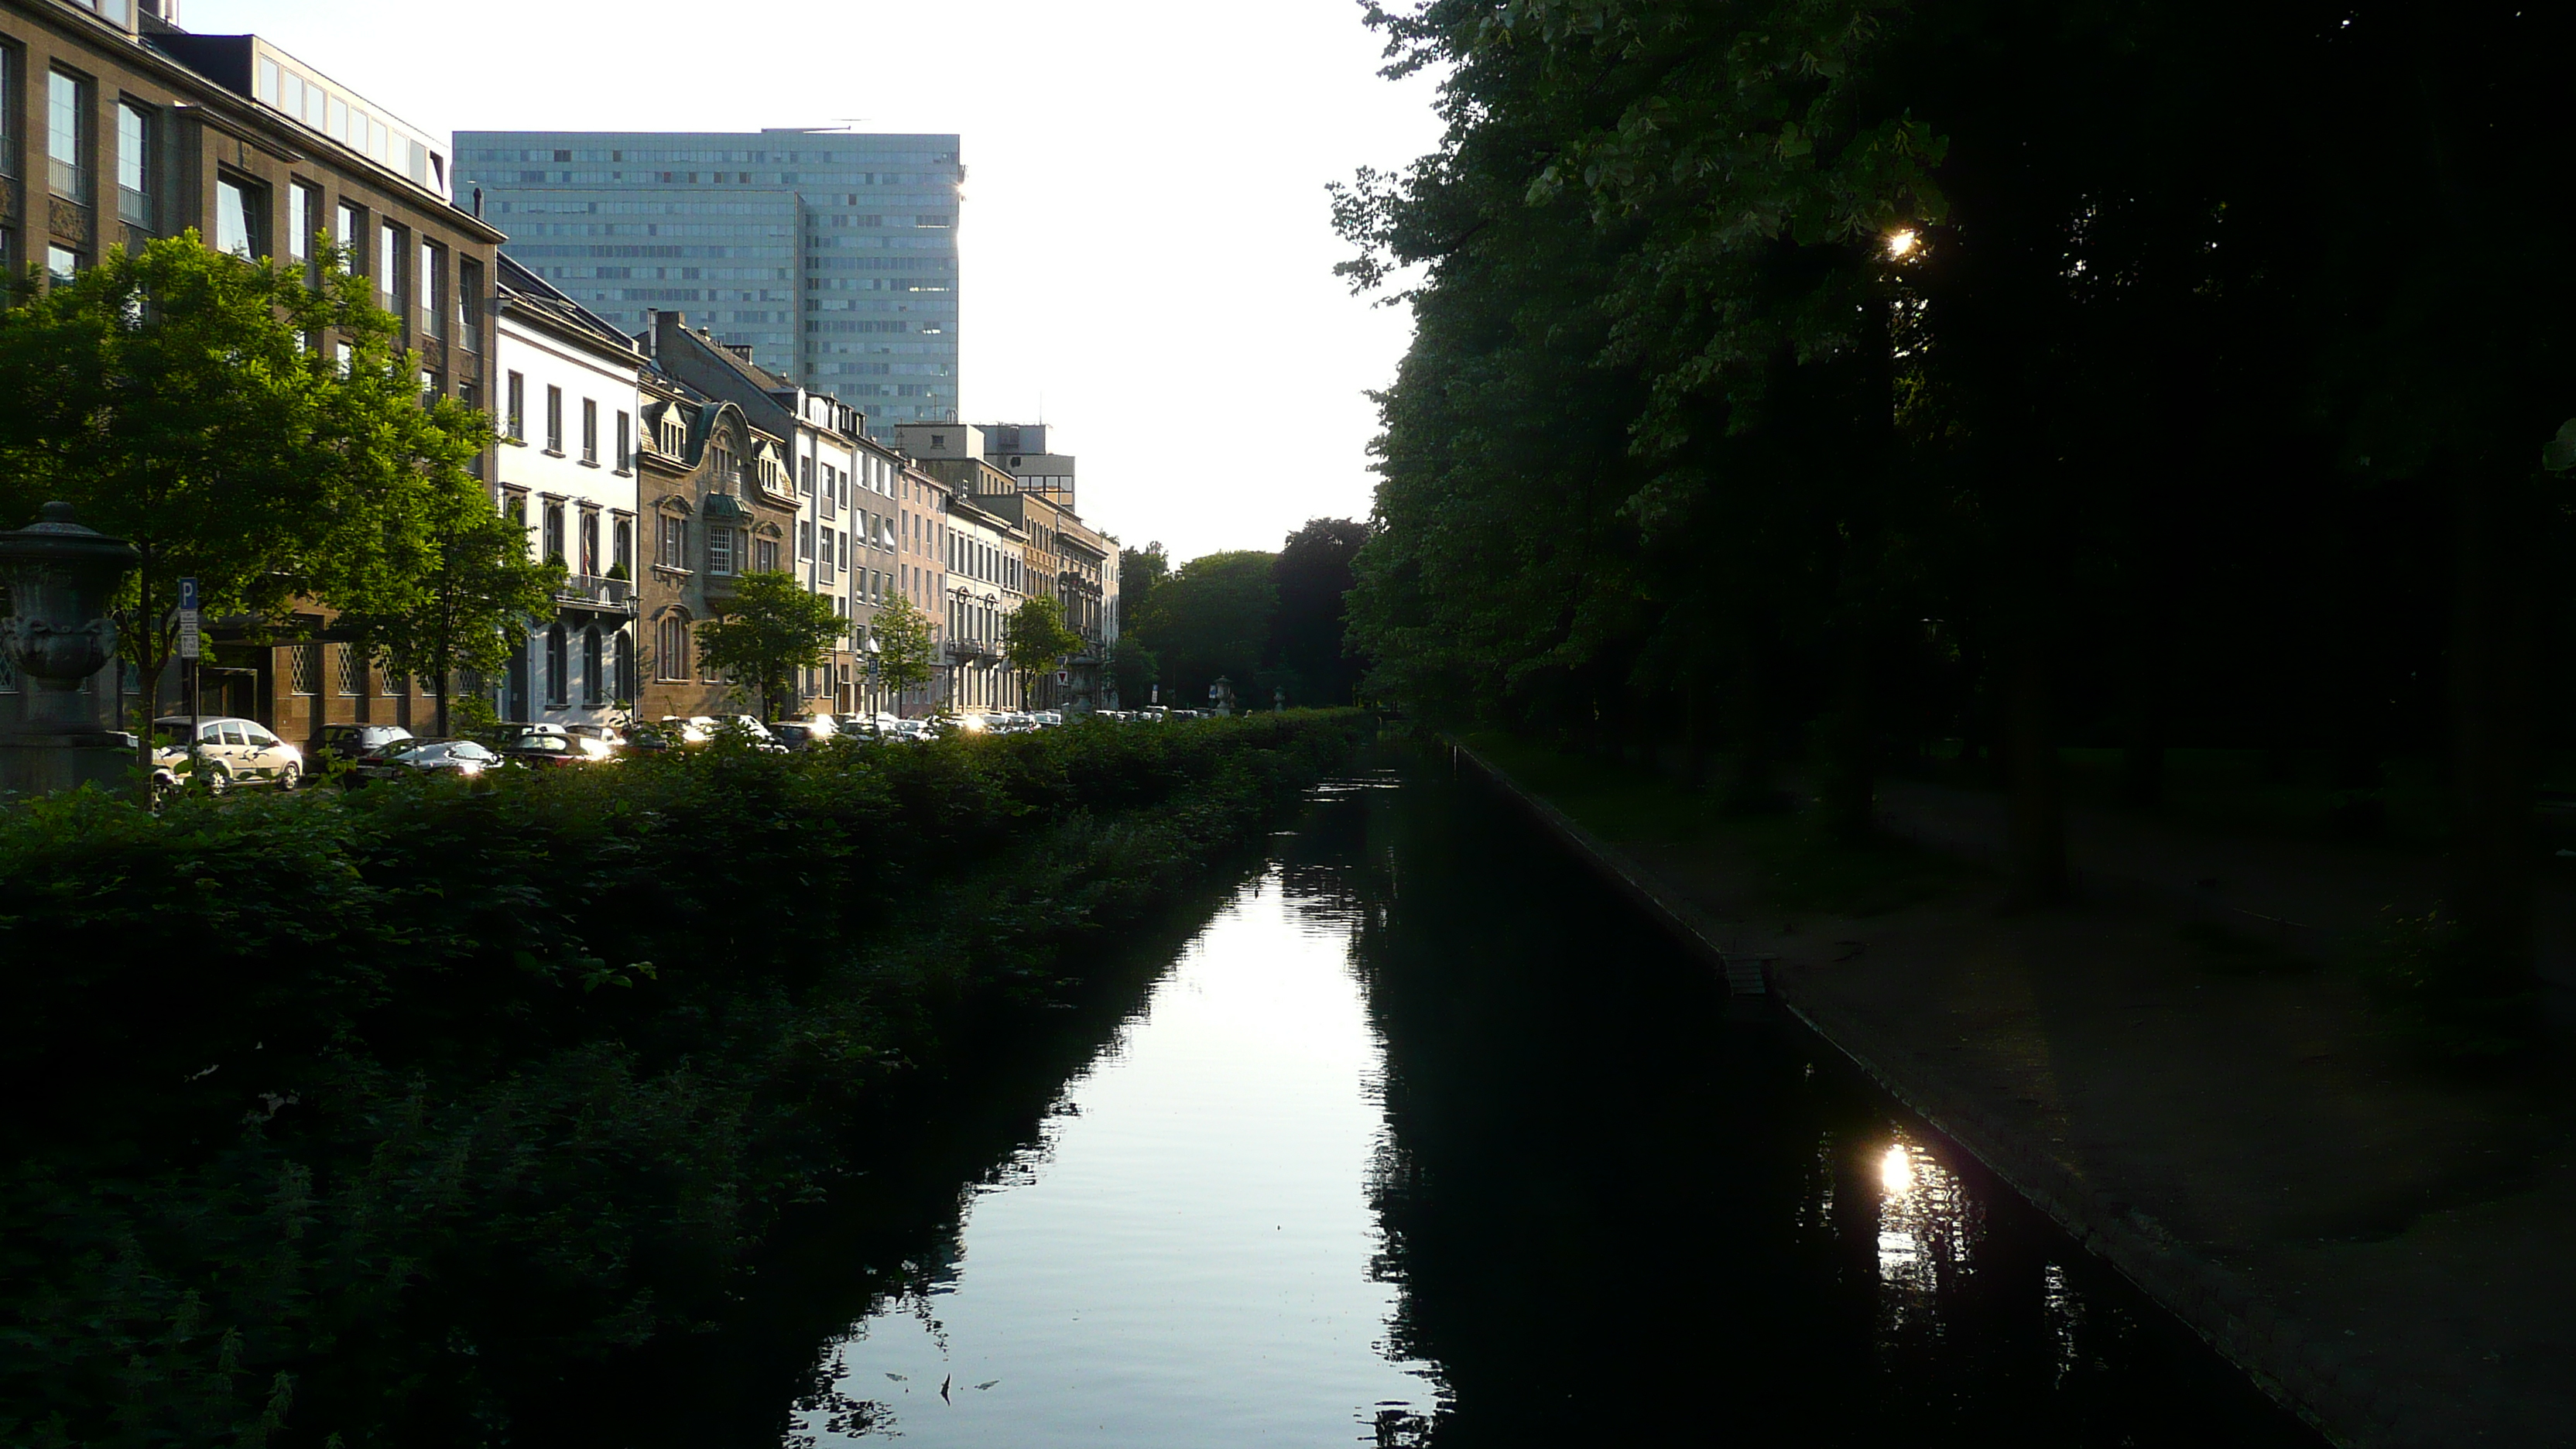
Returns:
point(592, 589)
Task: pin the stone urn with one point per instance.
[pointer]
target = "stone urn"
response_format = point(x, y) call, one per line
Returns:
point(61, 580)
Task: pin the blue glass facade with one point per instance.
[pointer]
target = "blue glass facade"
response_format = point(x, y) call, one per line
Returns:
point(832, 255)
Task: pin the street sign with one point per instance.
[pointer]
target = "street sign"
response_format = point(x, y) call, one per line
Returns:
point(189, 645)
point(188, 596)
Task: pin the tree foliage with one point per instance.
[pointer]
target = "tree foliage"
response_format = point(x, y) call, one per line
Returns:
point(1036, 641)
point(904, 658)
point(1824, 378)
point(175, 396)
point(769, 629)
point(1212, 617)
point(1313, 575)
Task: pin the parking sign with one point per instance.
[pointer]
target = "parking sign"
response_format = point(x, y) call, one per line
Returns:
point(187, 596)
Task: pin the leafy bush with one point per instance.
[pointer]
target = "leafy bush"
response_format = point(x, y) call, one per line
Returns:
point(366, 1114)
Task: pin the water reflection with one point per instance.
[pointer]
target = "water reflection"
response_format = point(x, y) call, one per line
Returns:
point(1186, 1256)
point(1427, 1141)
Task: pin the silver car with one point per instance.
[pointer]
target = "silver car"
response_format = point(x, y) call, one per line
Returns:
point(233, 752)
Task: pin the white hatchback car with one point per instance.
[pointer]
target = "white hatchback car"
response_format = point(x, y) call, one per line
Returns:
point(235, 752)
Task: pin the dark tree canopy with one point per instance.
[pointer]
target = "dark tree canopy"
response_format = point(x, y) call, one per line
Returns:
point(1313, 574)
point(1824, 380)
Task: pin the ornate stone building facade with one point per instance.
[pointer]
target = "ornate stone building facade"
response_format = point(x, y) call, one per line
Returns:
point(716, 501)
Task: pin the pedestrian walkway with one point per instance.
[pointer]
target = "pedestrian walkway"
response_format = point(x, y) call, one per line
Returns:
point(2218, 1112)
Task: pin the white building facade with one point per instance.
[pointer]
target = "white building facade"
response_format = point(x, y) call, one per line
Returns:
point(984, 587)
point(568, 396)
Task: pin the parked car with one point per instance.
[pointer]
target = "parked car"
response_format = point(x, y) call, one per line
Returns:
point(233, 752)
point(652, 738)
point(342, 743)
point(457, 759)
point(748, 728)
point(804, 734)
point(542, 749)
point(692, 729)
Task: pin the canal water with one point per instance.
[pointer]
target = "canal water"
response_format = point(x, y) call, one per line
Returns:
point(1426, 1139)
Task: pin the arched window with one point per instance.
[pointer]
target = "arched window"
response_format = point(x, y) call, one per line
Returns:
point(671, 648)
point(625, 667)
point(594, 669)
point(558, 669)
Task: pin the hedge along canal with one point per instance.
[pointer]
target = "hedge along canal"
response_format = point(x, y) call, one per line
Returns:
point(390, 1118)
point(1429, 1138)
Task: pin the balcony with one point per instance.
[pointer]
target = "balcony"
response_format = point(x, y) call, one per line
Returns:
point(971, 650)
point(592, 591)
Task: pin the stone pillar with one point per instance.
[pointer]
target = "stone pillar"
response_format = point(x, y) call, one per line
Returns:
point(61, 580)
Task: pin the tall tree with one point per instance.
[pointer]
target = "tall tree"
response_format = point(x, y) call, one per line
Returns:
point(772, 627)
point(1140, 572)
point(1036, 641)
point(1308, 635)
point(1213, 617)
point(472, 607)
point(903, 658)
point(175, 395)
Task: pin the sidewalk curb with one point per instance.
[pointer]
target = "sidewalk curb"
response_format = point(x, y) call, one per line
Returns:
point(2300, 1369)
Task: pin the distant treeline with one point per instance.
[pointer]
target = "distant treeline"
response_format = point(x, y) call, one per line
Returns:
point(365, 1121)
point(1271, 624)
point(1833, 377)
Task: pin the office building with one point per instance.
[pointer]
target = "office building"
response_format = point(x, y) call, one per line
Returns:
point(117, 127)
point(831, 256)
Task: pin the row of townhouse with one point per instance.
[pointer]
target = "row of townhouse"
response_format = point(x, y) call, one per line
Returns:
point(657, 467)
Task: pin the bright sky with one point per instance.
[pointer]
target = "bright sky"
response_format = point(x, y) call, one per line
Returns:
point(1147, 246)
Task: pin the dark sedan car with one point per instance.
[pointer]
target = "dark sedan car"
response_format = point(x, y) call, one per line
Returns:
point(555, 751)
point(454, 759)
point(343, 743)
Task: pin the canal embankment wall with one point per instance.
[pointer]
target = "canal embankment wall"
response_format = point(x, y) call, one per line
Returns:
point(2147, 1115)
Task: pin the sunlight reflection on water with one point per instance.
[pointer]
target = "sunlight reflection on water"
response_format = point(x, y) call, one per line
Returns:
point(1186, 1258)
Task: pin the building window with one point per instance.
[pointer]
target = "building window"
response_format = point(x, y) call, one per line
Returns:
point(352, 670)
point(304, 669)
point(388, 269)
point(61, 263)
point(804, 540)
point(554, 421)
point(672, 549)
point(671, 648)
point(622, 547)
point(625, 668)
point(67, 135)
point(719, 550)
point(594, 670)
point(349, 234)
point(433, 290)
point(469, 303)
point(625, 442)
point(136, 155)
point(766, 550)
point(303, 219)
point(805, 475)
point(554, 533)
point(590, 542)
point(558, 667)
point(518, 408)
point(589, 430)
point(10, 99)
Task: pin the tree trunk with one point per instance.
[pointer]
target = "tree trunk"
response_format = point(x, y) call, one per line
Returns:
point(2037, 809)
point(2492, 763)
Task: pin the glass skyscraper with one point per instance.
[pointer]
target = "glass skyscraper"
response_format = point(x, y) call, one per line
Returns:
point(831, 255)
